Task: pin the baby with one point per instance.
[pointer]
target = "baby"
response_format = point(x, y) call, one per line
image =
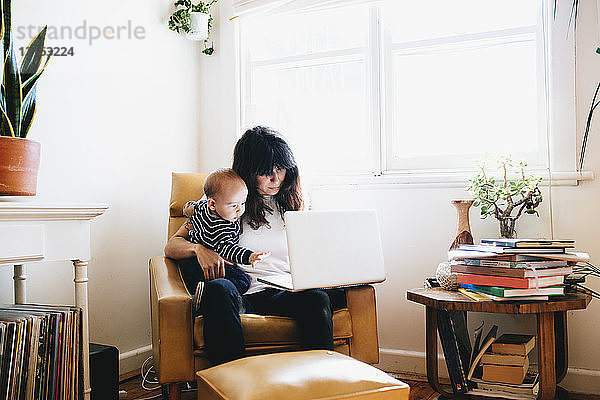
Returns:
point(214, 222)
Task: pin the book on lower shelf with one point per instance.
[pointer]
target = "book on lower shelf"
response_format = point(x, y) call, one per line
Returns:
point(510, 343)
point(456, 370)
point(513, 374)
point(503, 359)
point(529, 386)
point(502, 374)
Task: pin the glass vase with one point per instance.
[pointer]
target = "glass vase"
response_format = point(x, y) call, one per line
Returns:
point(507, 227)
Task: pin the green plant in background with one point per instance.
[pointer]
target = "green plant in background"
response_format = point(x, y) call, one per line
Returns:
point(505, 198)
point(179, 21)
point(18, 94)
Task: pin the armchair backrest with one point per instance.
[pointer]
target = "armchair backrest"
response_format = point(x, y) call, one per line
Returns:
point(185, 186)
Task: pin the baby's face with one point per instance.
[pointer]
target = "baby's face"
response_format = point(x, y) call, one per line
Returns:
point(230, 203)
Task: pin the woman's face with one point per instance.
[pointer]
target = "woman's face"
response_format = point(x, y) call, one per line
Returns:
point(269, 185)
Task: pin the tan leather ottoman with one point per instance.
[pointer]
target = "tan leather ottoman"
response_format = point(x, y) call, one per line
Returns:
point(301, 375)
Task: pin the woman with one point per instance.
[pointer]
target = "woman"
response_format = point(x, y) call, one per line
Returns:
point(266, 164)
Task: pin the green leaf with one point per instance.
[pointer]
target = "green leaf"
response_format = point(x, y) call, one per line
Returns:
point(32, 81)
point(29, 107)
point(33, 56)
point(6, 128)
point(2, 96)
point(12, 87)
point(7, 25)
point(2, 19)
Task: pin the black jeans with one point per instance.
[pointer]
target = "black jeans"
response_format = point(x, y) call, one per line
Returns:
point(192, 274)
point(222, 302)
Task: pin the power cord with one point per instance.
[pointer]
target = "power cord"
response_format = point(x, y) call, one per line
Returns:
point(148, 374)
point(580, 272)
point(144, 374)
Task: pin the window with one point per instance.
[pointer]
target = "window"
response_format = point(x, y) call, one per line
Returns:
point(395, 87)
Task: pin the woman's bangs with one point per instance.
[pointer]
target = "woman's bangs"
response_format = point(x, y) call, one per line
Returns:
point(283, 158)
point(277, 157)
point(264, 165)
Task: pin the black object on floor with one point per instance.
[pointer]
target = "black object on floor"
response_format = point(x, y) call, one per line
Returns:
point(104, 372)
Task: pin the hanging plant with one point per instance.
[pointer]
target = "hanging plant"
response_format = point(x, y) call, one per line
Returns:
point(194, 20)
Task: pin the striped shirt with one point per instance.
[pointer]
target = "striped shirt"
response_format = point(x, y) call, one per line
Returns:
point(217, 234)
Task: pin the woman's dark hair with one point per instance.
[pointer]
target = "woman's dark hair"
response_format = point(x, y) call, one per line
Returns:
point(256, 153)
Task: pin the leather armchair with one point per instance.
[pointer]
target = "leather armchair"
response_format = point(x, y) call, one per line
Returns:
point(178, 341)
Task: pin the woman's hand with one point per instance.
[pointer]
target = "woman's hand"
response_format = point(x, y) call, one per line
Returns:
point(179, 247)
point(211, 263)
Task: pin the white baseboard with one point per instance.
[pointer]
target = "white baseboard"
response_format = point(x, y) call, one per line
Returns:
point(132, 360)
point(578, 380)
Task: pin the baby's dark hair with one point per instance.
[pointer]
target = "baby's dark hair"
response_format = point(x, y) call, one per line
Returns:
point(256, 153)
point(217, 179)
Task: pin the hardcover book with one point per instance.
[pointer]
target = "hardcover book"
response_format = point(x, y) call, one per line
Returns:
point(495, 262)
point(511, 343)
point(489, 248)
point(479, 351)
point(505, 373)
point(510, 282)
point(510, 272)
point(451, 353)
point(530, 387)
point(546, 243)
point(571, 257)
point(503, 359)
point(510, 292)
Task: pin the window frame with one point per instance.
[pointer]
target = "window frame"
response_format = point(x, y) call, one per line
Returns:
point(559, 63)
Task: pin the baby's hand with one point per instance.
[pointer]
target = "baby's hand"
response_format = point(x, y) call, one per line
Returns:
point(256, 257)
point(188, 209)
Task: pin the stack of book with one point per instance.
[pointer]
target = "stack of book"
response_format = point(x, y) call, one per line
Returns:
point(40, 352)
point(505, 366)
point(515, 269)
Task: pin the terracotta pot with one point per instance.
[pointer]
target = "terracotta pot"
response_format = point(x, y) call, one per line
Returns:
point(19, 162)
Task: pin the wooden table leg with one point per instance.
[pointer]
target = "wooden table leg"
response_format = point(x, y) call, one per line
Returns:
point(20, 289)
point(431, 352)
point(546, 358)
point(562, 349)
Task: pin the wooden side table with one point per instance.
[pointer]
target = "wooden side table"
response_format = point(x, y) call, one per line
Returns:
point(551, 330)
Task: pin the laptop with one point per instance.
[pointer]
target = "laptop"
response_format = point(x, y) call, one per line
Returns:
point(331, 249)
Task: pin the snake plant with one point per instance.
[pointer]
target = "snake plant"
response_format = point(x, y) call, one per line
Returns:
point(18, 94)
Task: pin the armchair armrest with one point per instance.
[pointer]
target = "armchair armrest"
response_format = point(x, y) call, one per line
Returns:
point(364, 344)
point(172, 323)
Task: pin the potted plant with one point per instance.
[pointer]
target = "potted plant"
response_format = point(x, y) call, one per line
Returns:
point(194, 20)
point(506, 199)
point(19, 157)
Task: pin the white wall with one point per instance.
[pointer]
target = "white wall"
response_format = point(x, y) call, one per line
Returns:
point(418, 224)
point(114, 120)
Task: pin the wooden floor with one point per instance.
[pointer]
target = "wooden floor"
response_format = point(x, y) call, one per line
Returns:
point(419, 390)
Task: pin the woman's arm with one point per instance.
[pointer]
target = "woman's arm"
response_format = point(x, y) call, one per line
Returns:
point(179, 247)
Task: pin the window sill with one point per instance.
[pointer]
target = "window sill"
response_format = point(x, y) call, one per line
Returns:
point(428, 179)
